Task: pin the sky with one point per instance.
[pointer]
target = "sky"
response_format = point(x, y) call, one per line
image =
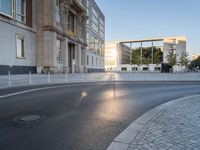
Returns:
point(139, 19)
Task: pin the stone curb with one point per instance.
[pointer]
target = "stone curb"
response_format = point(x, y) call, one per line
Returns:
point(123, 141)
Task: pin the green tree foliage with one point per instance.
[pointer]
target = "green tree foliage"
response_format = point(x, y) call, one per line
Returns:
point(171, 58)
point(147, 56)
point(158, 56)
point(195, 63)
point(136, 57)
point(184, 60)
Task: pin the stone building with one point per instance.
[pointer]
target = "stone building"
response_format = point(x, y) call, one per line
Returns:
point(18, 36)
point(42, 35)
point(61, 35)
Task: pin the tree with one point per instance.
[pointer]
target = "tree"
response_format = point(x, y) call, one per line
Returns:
point(184, 60)
point(158, 56)
point(136, 56)
point(171, 58)
point(147, 56)
point(195, 64)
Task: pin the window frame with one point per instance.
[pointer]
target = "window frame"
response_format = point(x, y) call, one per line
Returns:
point(14, 12)
point(23, 51)
point(58, 11)
point(17, 14)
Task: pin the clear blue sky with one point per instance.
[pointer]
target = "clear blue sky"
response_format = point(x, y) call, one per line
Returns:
point(138, 19)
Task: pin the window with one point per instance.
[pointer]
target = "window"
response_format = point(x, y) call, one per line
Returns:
point(20, 10)
point(134, 68)
point(92, 60)
point(145, 68)
point(20, 47)
point(88, 60)
point(58, 11)
point(124, 69)
point(6, 7)
point(71, 22)
point(14, 8)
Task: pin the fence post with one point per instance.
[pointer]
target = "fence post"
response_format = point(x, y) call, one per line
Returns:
point(30, 78)
point(49, 79)
point(9, 79)
point(82, 75)
point(66, 77)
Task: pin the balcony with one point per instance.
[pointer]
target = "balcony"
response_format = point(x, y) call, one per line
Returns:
point(78, 6)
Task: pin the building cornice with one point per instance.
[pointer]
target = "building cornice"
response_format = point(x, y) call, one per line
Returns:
point(64, 34)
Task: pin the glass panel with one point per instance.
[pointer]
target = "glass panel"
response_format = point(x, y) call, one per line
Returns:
point(58, 17)
point(20, 47)
point(20, 10)
point(6, 7)
point(71, 23)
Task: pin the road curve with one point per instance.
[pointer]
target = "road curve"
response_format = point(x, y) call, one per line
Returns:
point(81, 117)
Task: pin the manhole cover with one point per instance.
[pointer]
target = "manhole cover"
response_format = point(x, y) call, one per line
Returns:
point(29, 118)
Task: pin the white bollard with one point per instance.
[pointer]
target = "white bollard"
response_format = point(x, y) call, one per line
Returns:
point(30, 78)
point(9, 79)
point(66, 77)
point(82, 75)
point(49, 79)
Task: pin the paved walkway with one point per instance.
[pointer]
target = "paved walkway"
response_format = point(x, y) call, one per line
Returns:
point(171, 126)
point(35, 79)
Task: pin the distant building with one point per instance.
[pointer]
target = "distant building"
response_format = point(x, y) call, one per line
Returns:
point(119, 55)
point(195, 56)
point(116, 55)
point(95, 38)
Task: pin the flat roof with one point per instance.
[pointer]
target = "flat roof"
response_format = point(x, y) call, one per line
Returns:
point(145, 40)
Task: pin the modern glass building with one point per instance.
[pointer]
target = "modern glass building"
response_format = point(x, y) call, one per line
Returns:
point(144, 55)
point(95, 38)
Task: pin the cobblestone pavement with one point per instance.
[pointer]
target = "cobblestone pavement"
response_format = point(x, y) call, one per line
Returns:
point(176, 127)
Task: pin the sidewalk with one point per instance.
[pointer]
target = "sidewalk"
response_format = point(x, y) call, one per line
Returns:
point(36, 79)
point(172, 126)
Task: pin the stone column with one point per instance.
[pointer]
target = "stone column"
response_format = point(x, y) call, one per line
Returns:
point(78, 57)
point(65, 55)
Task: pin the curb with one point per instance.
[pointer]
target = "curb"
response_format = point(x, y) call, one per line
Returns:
point(123, 140)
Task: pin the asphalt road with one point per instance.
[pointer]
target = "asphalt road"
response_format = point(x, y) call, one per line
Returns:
point(86, 117)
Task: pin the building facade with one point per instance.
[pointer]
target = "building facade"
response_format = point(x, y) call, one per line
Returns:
point(119, 56)
point(116, 55)
point(61, 35)
point(49, 35)
point(95, 38)
point(18, 36)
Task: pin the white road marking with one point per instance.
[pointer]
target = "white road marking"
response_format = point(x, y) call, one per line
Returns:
point(46, 88)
